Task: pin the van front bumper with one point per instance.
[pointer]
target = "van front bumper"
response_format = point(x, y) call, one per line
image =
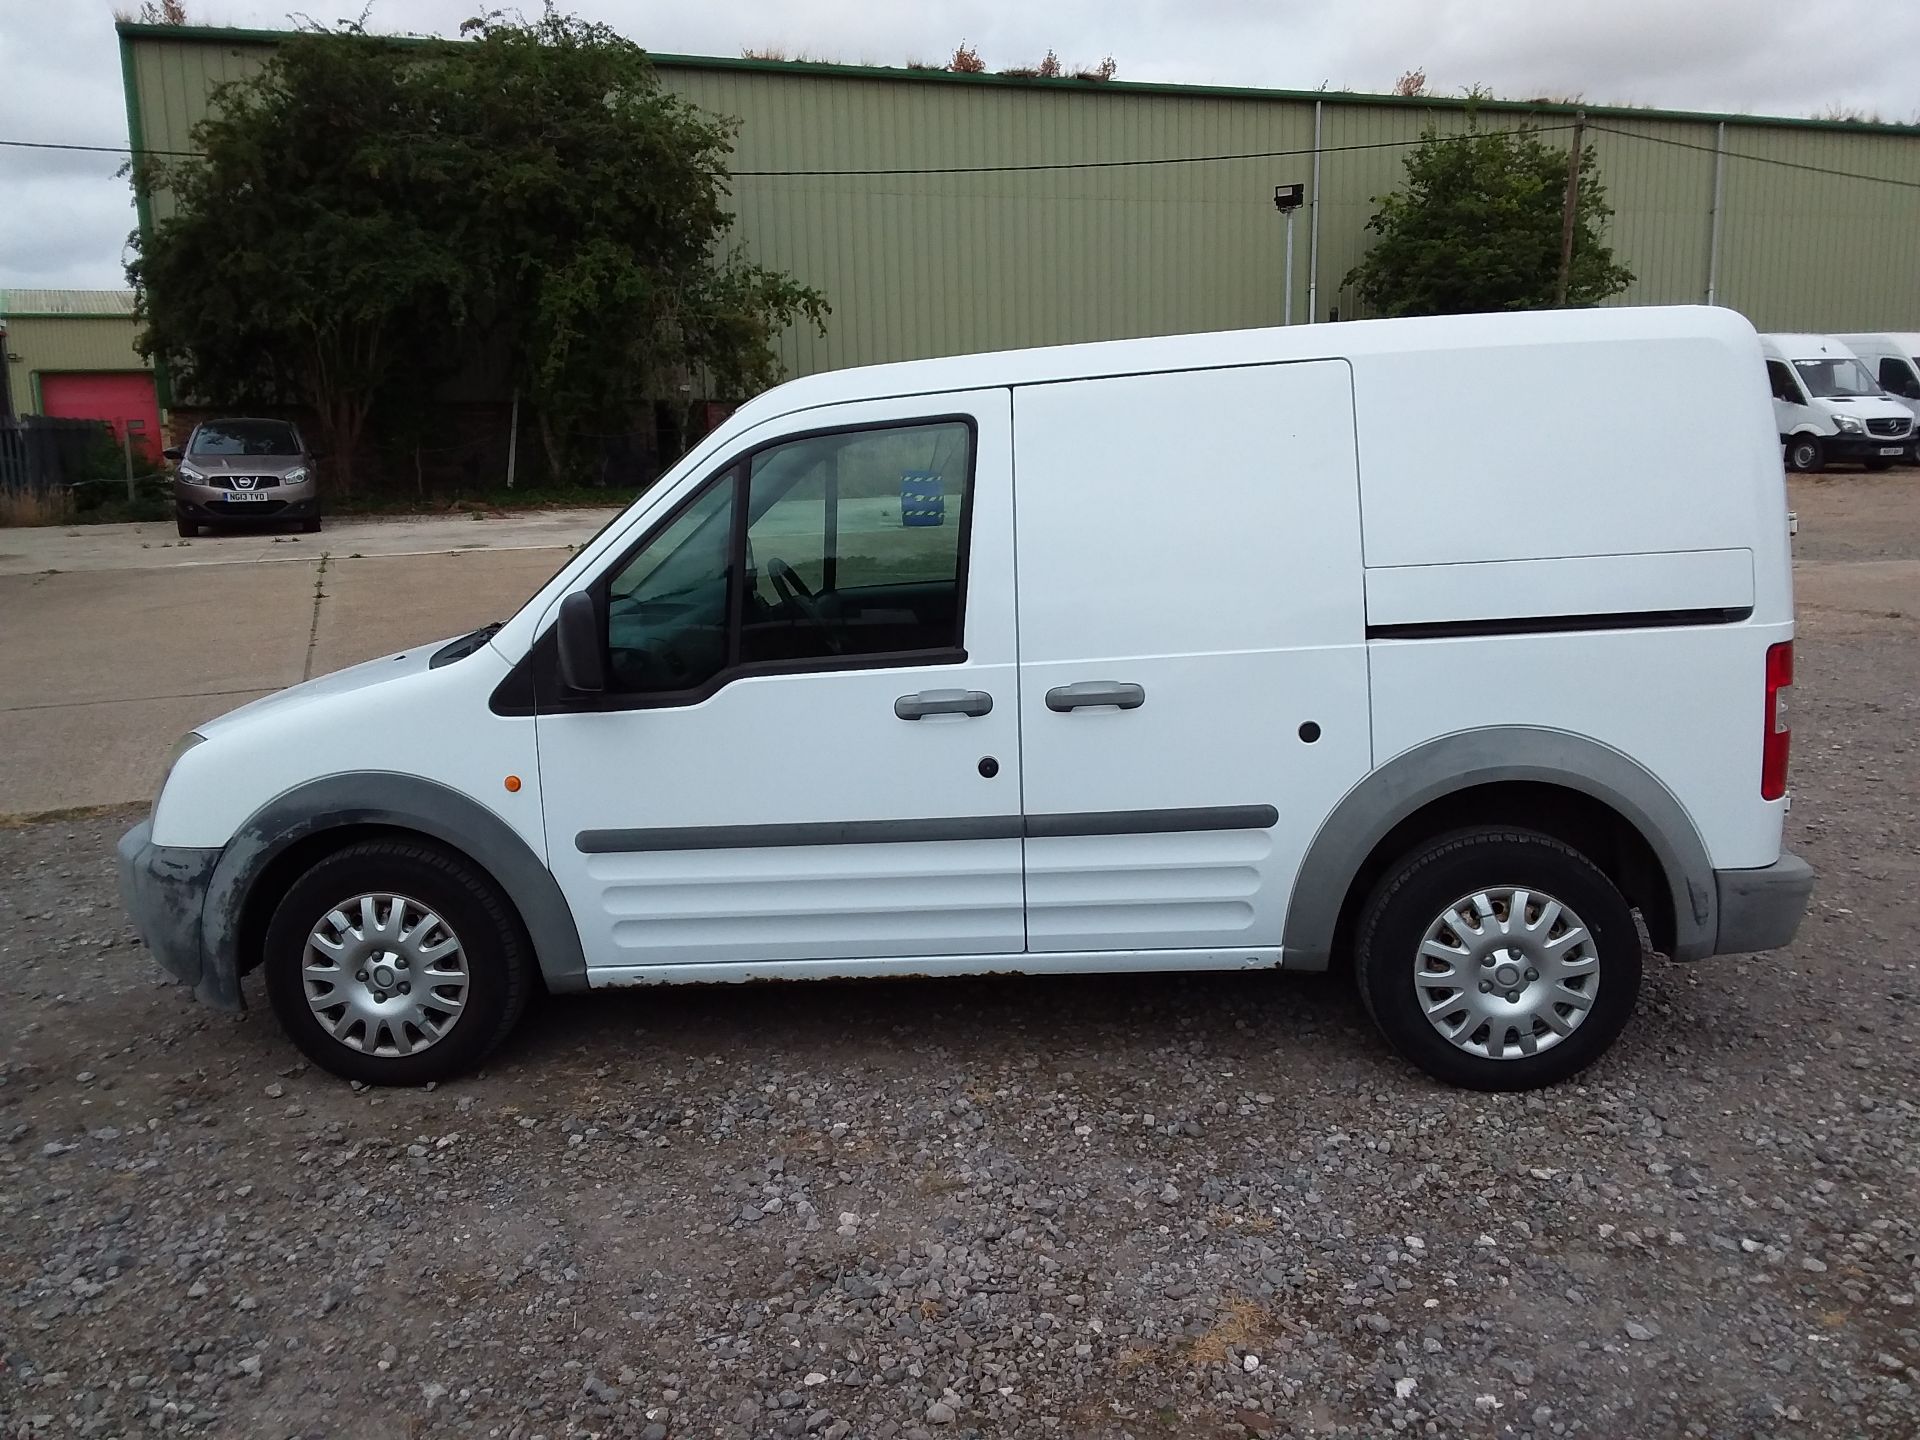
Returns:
point(211, 510)
point(1761, 909)
point(1867, 447)
point(164, 888)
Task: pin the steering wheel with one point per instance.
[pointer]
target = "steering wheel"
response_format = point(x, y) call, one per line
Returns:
point(794, 592)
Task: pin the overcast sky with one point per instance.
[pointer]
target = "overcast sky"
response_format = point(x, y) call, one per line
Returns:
point(64, 217)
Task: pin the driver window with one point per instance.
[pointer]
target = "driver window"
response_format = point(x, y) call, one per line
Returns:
point(853, 543)
point(1785, 387)
point(667, 606)
point(1898, 379)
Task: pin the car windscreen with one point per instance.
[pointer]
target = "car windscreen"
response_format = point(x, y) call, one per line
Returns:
point(1839, 378)
point(245, 437)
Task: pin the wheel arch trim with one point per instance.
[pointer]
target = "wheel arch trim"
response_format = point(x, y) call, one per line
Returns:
point(1468, 760)
point(397, 802)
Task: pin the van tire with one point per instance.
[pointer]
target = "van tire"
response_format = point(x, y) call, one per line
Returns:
point(1805, 454)
point(1420, 888)
point(492, 943)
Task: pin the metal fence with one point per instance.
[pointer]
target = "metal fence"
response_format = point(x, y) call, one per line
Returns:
point(40, 454)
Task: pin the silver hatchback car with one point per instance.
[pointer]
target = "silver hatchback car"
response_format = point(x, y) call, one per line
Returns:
point(238, 471)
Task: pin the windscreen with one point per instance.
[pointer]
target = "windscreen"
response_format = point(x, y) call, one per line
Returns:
point(245, 437)
point(1834, 379)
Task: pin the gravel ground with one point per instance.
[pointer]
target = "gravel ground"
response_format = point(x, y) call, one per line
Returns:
point(1145, 1207)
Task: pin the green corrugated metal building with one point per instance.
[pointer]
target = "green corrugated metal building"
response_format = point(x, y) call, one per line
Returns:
point(70, 354)
point(63, 332)
point(1803, 225)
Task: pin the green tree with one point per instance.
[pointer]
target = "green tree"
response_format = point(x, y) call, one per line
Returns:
point(599, 206)
point(303, 261)
point(363, 217)
point(1478, 226)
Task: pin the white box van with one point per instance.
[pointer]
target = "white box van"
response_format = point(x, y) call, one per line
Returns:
point(1895, 362)
point(1829, 406)
point(1370, 641)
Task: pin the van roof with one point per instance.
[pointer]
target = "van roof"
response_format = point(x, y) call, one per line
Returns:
point(1905, 342)
point(1805, 346)
point(1222, 349)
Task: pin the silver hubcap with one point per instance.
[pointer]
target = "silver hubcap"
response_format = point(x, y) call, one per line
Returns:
point(1506, 972)
point(385, 975)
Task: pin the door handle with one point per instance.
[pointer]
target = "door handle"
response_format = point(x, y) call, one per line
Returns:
point(1096, 692)
point(943, 702)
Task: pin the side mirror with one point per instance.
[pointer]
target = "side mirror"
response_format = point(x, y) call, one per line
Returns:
point(583, 665)
point(174, 452)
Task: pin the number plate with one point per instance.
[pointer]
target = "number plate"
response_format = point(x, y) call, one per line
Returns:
point(243, 496)
point(1893, 449)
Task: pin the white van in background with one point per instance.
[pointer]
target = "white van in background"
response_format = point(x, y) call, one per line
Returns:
point(1894, 360)
point(1829, 406)
point(1211, 652)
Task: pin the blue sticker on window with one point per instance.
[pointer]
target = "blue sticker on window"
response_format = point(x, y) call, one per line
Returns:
point(923, 498)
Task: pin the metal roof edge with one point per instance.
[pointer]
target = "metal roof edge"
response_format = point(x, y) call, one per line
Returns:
point(217, 35)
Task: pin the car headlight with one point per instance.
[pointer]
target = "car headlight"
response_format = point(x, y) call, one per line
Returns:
point(1848, 425)
point(296, 476)
point(180, 747)
point(187, 472)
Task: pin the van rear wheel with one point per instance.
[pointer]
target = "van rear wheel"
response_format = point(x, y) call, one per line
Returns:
point(1805, 453)
point(393, 962)
point(1498, 959)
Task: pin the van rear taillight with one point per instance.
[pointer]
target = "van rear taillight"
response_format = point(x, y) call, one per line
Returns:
point(1773, 754)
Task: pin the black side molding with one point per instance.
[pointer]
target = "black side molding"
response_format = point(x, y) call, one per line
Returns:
point(960, 827)
point(1557, 624)
point(1154, 822)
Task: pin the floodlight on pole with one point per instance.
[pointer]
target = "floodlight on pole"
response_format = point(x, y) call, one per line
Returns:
point(1288, 199)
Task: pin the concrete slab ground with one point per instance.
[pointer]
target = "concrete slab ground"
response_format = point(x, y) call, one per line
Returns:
point(135, 638)
point(377, 604)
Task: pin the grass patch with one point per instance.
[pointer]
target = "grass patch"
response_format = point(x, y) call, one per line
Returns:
point(1240, 1325)
point(118, 510)
point(27, 507)
point(88, 505)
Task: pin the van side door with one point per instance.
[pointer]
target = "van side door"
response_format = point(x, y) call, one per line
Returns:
point(1790, 406)
point(810, 663)
point(1193, 666)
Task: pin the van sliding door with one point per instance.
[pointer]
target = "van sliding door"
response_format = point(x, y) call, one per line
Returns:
point(1193, 667)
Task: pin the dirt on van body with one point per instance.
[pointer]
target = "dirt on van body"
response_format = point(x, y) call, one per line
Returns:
point(1136, 1206)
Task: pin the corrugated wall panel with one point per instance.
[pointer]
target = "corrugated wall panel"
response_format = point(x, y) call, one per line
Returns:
point(65, 342)
point(1809, 251)
point(926, 264)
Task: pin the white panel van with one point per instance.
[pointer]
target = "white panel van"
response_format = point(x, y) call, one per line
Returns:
point(1829, 406)
point(1894, 360)
point(1240, 651)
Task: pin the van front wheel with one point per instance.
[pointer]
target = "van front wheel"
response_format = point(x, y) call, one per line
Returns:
point(1806, 454)
point(393, 962)
point(1498, 959)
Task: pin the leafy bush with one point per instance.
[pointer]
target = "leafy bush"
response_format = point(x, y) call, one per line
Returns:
point(1477, 227)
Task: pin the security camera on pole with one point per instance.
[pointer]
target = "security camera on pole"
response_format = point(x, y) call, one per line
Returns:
point(1287, 199)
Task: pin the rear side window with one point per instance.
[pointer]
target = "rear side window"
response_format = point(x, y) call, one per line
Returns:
point(853, 543)
point(1785, 387)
